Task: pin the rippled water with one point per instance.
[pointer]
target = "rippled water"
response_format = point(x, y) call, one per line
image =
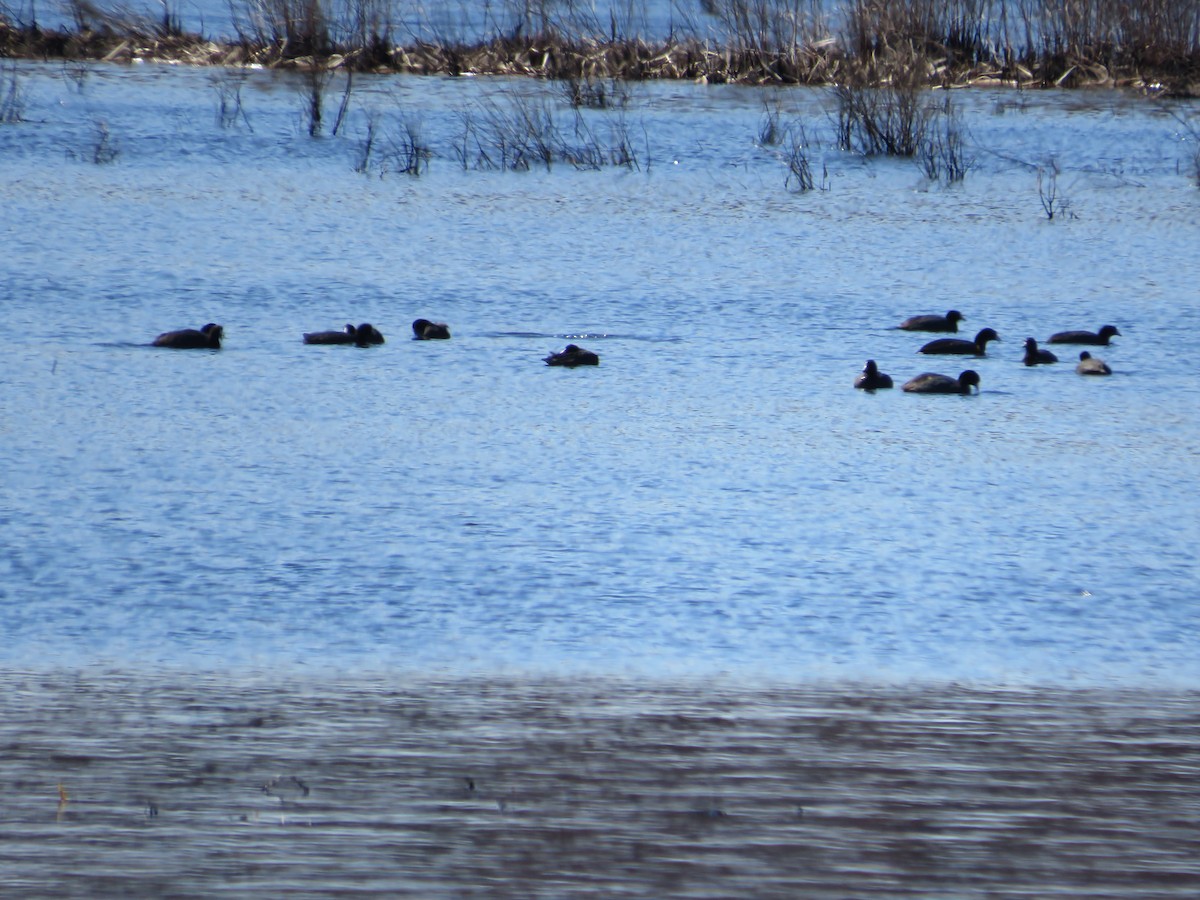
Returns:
point(281, 548)
point(597, 789)
point(712, 497)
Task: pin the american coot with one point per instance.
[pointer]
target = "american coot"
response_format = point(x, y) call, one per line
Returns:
point(1035, 356)
point(1098, 338)
point(948, 322)
point(346, 336)
point(206, 338)
point(931, 383)
point(366, 334)
point(424, 330)
point(1091, 365)
point(572, 356)
point(958, 346)
point(871, 378)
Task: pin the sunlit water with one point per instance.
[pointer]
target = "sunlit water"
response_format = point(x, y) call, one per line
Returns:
point(713, 497)
point(713, 503)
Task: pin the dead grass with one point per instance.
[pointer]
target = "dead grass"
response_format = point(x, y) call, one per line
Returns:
point(1148, 44)
point(12, 95)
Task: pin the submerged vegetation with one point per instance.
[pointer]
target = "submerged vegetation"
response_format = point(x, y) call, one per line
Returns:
point(1147, 44)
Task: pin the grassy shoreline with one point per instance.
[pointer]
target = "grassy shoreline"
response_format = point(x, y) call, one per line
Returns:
point(1146, 45)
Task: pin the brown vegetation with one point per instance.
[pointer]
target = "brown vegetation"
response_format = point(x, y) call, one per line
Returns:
point(1147, 44)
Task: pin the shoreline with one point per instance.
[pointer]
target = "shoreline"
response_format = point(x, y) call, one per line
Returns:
point(550, 56)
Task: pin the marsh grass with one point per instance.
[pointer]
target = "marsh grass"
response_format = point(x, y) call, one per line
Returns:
point(294, 28)
point(902, 118)
point(311, 88)
point(104, 148)
point(516, 133)
point(407, 152)
point(1149, 44)
point(770, 130)
point(520, 131)
point(344, 105)
point(12, 95)
point(76, 72)
point(118, 19)
point(367, 145)
point(621, 150)
point(227, 84)
point(888, 119)
point(1054, 201)
point(595, 93)
point(604, 142)
point(787, 139)
point(1191, 136)
point(943, 149)
point(796, 155)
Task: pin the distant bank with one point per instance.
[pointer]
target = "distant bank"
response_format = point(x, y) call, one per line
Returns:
point(1131, 44)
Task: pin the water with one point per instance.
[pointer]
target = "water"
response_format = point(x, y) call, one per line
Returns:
point(406, 21)
point(713, 503)
point(550, 789)
point(713, 497)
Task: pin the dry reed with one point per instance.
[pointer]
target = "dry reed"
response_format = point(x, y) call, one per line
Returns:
point(1149, 44)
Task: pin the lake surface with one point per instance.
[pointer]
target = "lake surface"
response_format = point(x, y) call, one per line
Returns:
point(713, 504)
point(713, 497)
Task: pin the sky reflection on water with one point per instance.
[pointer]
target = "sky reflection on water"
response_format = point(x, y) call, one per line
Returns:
point(713, 497)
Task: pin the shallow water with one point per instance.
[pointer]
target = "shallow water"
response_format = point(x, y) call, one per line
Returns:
point(419, 788)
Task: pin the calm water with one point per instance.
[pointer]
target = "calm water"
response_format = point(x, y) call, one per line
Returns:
point(714, 502)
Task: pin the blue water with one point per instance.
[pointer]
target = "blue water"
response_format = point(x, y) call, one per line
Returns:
point(714, 498)
point(406, 21)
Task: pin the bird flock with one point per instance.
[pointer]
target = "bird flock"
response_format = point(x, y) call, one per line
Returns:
point(208, 337)
point(872, 379)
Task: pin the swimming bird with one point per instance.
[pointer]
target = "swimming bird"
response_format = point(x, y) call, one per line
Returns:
point(1097, 338)
point(1036, 356)
point(366, 334)
point(948, 322)
point(346, 336)
point(871, 378)
point(572, 356)
point(1091, 365)
point(424, 330)
point(932, 383)
point(206, 338)
point(977, 347)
